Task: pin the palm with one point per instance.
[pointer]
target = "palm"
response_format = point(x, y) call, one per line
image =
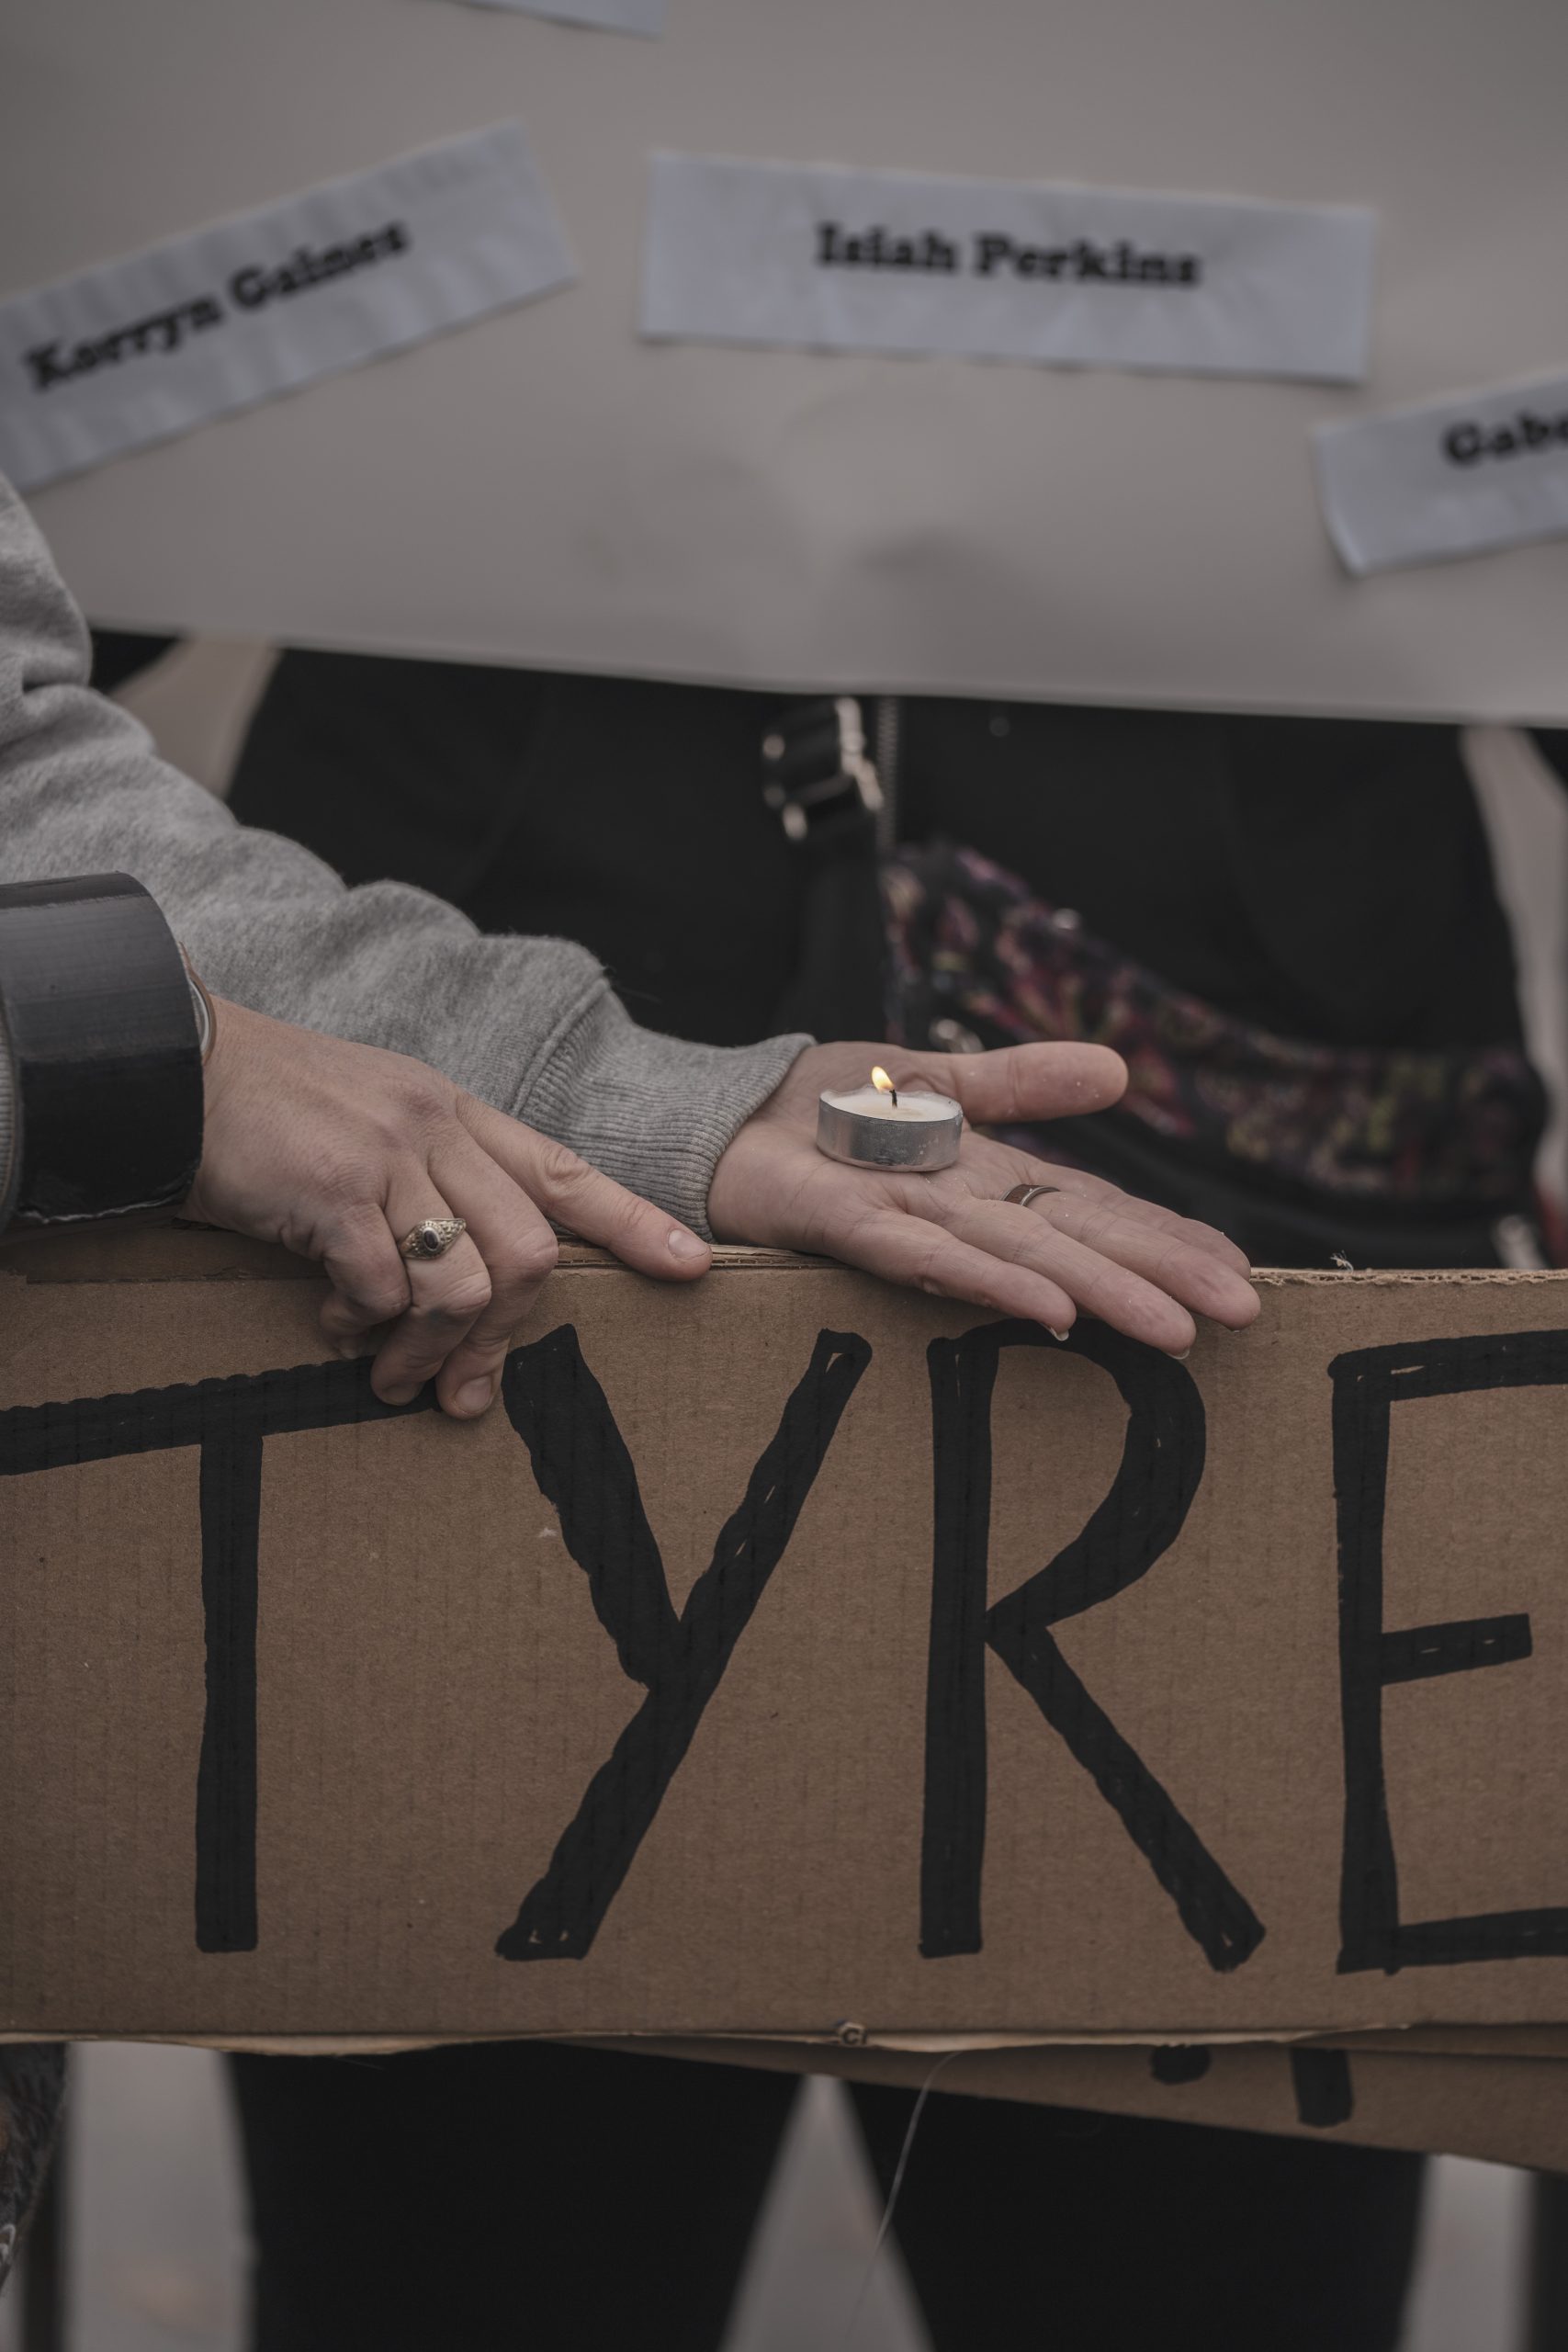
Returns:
point(1084, 1245)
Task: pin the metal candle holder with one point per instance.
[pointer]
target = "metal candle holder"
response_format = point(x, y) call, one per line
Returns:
point(871, 1129)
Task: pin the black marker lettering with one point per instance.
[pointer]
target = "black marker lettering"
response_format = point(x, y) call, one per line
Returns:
point(1180, 2061)
point(1367, 1383)
point(226, 1779)
point(581, 1464)
point(1321, 2081)
point(229, 1420)
point(1162, 1462)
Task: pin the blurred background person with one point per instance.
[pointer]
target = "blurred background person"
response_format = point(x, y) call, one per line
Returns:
point(1290, 931)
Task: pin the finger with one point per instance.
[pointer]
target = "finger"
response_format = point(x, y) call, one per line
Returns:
point(912, 1250)
point(1024, 1082)
point(446, 1297)
point(1079, 1185)
point(1103, 1285)
point(1021, 1167)
point(369, 1280)
point(519, 1251)
point(588, 1204)
point(1160, 1254)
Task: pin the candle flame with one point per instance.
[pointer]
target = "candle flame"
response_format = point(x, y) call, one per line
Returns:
point(885, 1085)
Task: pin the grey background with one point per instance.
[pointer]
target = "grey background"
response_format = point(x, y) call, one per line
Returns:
point(546, 487)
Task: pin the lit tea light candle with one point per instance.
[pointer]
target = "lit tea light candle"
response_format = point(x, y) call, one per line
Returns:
point(876, 1126)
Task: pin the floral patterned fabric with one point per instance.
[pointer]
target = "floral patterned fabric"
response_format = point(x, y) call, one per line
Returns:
point(970, 945)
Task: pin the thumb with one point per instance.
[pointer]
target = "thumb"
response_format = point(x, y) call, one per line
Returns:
point(1027, 1082)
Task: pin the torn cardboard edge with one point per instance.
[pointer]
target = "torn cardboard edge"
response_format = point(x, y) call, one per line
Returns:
point(1511, 2043)
point(1499, 2109)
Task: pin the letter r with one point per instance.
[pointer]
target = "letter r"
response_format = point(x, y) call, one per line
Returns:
point(1162, 1463)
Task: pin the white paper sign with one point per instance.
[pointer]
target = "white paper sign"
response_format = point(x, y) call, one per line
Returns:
point(614, 16)
point(1450, 476)
point(141, 349)
point(838, 260)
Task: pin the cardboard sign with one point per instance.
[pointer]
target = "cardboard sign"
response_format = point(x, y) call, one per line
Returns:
point(788, 1651)
point(144, 348)
point(1108, 277)
point(1448, 478)
point(1503, 2111)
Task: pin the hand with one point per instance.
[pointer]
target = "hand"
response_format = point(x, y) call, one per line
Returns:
point(1084, 1245)
point(338, 1150)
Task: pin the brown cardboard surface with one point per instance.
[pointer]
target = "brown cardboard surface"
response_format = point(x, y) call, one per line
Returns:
point(1504, 2110)
point(783, 1835)
point(1463, 2041)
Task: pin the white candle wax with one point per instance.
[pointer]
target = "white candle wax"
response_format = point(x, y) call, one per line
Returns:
point(870, 1104)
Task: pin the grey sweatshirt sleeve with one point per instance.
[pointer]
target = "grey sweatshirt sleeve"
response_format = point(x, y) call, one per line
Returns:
point(529, 1024)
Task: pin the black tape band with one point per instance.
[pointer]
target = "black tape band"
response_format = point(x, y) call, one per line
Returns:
point(103, 1048)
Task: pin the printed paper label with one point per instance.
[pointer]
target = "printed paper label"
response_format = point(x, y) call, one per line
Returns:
point(841, 260)
point(1450, 476)
point(140, 349)
point(614, 16)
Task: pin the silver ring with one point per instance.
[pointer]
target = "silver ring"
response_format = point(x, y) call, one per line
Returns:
point(1021, 1195)
point(433, 1236)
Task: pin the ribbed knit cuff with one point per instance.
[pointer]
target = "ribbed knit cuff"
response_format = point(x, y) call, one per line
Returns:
point(655, 1112)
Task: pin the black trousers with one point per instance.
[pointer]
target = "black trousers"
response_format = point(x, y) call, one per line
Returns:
point(520, 2197)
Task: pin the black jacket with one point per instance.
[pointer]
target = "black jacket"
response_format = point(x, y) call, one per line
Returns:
point(1327, 878)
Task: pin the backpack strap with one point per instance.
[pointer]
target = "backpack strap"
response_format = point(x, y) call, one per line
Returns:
point(821, 783)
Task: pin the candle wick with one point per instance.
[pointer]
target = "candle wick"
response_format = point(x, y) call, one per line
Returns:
point(894, 1091)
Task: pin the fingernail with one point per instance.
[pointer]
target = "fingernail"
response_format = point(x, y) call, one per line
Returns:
point(1182, 1357)
point(1063, 1335)
point(396, 1395)
point(683, 1244)
point(474, 1397)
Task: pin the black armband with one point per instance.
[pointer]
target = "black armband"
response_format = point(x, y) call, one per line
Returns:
point(105, 1061)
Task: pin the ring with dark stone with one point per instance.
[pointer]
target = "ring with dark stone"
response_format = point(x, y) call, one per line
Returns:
point(433, 1236)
